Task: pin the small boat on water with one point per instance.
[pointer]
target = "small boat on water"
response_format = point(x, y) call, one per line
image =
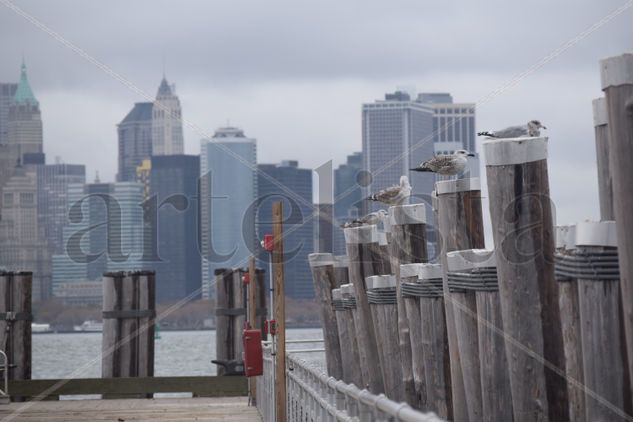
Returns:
point(89, 327)
point(40, 328)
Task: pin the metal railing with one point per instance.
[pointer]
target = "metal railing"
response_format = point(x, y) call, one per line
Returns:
point(314, 396)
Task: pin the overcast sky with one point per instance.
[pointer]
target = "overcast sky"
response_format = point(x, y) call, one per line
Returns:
point(294, 74)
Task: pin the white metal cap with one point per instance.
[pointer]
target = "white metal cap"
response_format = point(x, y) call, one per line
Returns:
point(382, 239)
point(566, 237)
point(470, 258)
point(320, 259)
point(410, 270)
point(615, 71)
point(501, 152)
point(407, 214)
point(459, 185)
point(361, 235)
point(341, 261)
point(337, 294)
point(430, 271)
point(380, 281)
point(596, 233)
point(348, 289)
point(599, 106)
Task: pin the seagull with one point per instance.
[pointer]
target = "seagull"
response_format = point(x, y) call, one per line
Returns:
point(446, 165)
point(531, 129)
point(395, 195)
point(369, 219)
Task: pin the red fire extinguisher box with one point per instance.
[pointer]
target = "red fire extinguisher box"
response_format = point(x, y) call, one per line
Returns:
point(253, 353)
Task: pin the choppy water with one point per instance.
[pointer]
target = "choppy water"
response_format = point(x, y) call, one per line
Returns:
point(177, 353)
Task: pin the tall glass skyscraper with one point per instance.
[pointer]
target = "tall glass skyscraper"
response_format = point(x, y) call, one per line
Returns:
point(228, 192)
point(298, 224)
point(167, 135)
point(135, 140)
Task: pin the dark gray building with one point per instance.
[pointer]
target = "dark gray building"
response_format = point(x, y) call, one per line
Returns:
point(135, 140)
point(298, 224)
point(347, 197)
point(7, 92)
point(174, 187)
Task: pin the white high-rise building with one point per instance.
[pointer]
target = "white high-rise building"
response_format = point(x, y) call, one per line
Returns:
point(167, 137)
point(228, 191)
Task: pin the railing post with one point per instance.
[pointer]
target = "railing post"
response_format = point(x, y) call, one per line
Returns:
point(280, 312)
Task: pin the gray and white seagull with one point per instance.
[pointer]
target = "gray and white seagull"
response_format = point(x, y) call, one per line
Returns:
point(372, 218)
point(531, 129)
point(446, 165)
point(394, 195)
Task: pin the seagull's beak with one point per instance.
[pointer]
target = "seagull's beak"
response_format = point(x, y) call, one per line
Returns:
point(543, 127)
point(413, 169)
point(470, 154)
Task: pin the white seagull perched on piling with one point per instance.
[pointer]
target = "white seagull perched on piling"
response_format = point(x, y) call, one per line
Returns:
point(531, 129)
point(394, 195)
point(370, 219)
point(446, 165)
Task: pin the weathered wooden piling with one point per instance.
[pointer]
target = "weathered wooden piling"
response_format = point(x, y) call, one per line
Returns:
point(129, 310)
point(364, 255)
point(605, 180)
point(230, 308)
point(341, 270)
point(617, 83)
point(351, 370)
point(238, 304)
point(15, 322)
point(595, 264)
point(322, 266)
point(407, 225)
point(262, 311)
point(385, 256)
point(350, 316)
point(460, 224)
point(476, 270)
point(570, 322)
point(381, 294)
point(521, 217)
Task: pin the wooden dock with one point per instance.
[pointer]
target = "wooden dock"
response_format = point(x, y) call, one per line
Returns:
point(158, 410)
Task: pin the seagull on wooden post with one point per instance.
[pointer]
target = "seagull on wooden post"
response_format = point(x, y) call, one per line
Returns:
point(446, 165)
point(394, 195)
point(531, 129)
point(372, 218)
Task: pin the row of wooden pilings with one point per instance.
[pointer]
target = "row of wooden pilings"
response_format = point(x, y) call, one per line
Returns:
point(539, 328)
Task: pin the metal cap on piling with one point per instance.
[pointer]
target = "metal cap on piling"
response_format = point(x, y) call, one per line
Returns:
point(430, 271)
point(501, 152)
point(410, 270)
point(566, 237)
point(469, 259)
point(616, 71)
point(341, 261)
point(348, 290)
point(596, 233)
point(599, 106)
point(361, 235)
point(321, 259)
point(407, 214)
point(460, 185)
point(380, 282)
point(337, 294)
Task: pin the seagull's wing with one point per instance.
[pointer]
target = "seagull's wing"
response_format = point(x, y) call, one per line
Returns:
point(512, 132)
point(388, 195)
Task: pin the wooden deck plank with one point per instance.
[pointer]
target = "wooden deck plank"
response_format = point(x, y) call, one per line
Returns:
point(159, 410)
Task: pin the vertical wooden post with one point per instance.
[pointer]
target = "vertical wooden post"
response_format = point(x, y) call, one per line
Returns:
point(617, 84)
point(145, 280)
point(364, 261)
point(261, 299)
point(322, 266)
point(408, 245)
point(252, 319)
point(598, 299)
point(521, 215)
point(280, 313)
point(353, 365)
point(223, 292)
point(605, 180)
point(240, 317)
point(111, 302)
point(341, 270)
point(461, 227)
point(570, 324)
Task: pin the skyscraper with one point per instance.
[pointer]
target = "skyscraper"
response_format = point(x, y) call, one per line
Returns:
point(174, 187)
point(397, 135)
point(7, 92)
point(135, 140)
point(347, 197)
point(25, 121)
point(167, 136)
point(298, 227)
point(228, 191)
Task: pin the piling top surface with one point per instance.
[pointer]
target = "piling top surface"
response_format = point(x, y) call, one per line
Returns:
point(382, 238)
point(337, 294)
point(348, 289)
point(596, 233)
point(400, 215)
point(341, 261)
point(469, 259)
point(410, 270)
point(362, 234)
point(510, 151)
point(617, 70)
point(321, 259)
point(380, 281)
point(566, 237)
point(599, 106)
point(430, 271)
point(460, 185)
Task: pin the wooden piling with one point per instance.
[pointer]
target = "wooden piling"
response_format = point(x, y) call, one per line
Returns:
point(381, 294)
point(617, 84)
point(252, 289)
point(605, 180)
point(322, 266)
point(352, 355)
point(598, 301)
point(364, 255)
point(262, 294)
point(239, 302)
point(15, 322)
point(224, 341)
point(521, 217)
point(461, 227)
point(476, 270)
point(341, 270)
point(280, 312)
point(407, 224)
point(344, 336)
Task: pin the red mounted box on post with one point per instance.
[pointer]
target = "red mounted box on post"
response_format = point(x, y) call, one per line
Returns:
point(253, 353)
